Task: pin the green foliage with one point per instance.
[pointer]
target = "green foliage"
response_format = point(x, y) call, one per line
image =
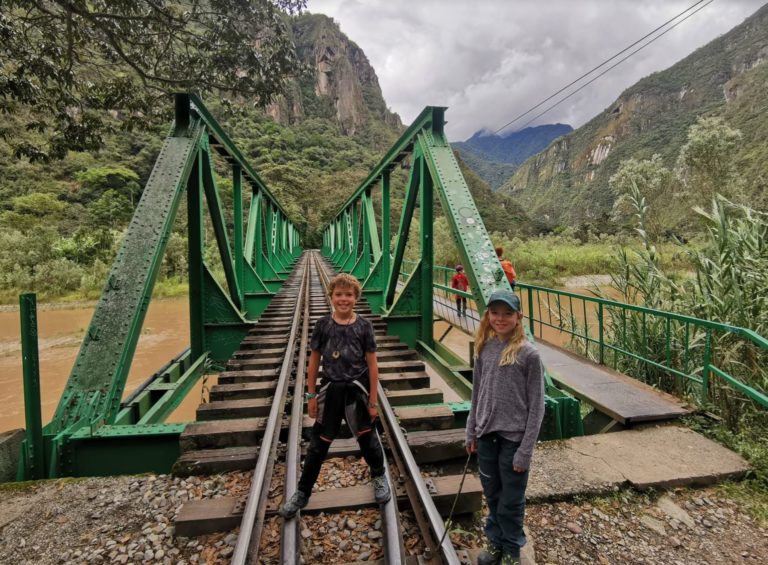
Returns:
point(729, 286)
point(66, 64)
point(492, 172)
point(650, 180)
point(706, 162)
point(96, 181)
point(548, 259)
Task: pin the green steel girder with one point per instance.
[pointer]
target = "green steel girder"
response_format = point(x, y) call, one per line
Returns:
point(426, 264)
point(140, 402)
point(254, 237)
point(81, 432)
point(237, 212)
point(224, 326)
point(219, 225)
point(117, 450)
point(96, 383)
point(473, 243)
point(371, 230)
point(409, 206)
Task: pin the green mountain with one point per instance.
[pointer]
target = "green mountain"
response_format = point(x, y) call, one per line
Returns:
point(567, 183)
point(496, 157)
point(61, 222)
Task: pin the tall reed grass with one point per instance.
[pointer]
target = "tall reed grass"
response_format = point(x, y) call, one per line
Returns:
point(729, 285)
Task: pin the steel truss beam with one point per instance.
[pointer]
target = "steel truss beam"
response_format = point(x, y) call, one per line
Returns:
point(253, 269)
point(353, 243)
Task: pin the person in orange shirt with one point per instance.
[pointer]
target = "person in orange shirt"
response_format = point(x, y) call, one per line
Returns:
point(460, 282)
point(507, 267)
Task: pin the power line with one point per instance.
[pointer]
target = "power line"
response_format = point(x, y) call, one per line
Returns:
point(582, 87)
point(628, 47)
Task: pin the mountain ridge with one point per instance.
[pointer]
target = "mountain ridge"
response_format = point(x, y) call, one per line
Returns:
point(496, 157)
point(567, 183)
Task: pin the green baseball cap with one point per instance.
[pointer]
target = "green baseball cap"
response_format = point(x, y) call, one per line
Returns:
point(507, 297)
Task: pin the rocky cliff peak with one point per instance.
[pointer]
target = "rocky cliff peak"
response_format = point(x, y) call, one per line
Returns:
point(340, 82)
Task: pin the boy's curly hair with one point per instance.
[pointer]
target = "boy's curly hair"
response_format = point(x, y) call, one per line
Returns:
point(345, 280)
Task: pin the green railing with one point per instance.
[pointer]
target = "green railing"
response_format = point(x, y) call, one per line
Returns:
point(682, 354)
point(658, 345)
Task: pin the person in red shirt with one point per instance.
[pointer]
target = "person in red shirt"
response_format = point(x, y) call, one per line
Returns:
point(460, 282)
point(507, 267)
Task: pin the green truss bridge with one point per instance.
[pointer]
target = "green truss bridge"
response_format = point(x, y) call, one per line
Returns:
point(98, 429)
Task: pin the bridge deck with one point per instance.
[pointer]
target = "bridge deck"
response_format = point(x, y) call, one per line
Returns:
point(622, 398)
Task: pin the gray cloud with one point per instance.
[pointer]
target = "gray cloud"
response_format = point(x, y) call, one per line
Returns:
point(490, 60)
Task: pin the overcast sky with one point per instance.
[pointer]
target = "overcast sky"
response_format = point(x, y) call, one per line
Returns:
point(490, 60)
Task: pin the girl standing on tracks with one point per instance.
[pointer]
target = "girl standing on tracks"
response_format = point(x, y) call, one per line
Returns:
point(504, 422)
point(345, 344)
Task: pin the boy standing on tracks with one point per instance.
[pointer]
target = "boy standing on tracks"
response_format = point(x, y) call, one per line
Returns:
point(346, 345)
point(504, 422)
point(460, 282)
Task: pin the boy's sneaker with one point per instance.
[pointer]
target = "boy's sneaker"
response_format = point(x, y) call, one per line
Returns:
point(381, 489)
point(507, 559)
point(289, 508)
point(490, 556)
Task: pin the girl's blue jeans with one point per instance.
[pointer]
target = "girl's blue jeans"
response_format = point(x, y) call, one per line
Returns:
point(504, 491)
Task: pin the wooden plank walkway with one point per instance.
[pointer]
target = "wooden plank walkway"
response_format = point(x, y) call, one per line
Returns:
point(618, 396)
point(623, 398)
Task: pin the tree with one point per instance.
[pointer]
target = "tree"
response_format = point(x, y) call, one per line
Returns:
point(70, 64)
point(96, 181)
point(706, 161)
point(660, 189)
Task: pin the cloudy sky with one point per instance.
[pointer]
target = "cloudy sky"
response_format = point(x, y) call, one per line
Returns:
point(490, 60)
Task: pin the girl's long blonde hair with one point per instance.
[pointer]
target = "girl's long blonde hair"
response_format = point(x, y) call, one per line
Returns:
point(485, 333)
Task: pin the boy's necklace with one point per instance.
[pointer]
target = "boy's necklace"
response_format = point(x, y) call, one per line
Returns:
point(337, 352)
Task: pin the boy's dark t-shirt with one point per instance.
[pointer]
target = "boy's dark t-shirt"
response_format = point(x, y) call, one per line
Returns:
point(351, 342)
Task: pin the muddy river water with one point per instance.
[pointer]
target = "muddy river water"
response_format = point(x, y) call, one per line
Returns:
point(165, 334)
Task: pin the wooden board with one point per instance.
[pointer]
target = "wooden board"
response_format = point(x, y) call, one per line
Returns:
point(220, 514)
point(621, 397)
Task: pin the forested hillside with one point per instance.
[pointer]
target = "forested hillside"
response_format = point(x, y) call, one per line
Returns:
point(61, 221)
point(568, 183)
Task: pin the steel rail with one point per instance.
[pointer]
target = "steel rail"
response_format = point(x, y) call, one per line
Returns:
point(414, 475)
point(394, 553)
point(290, 553)
point(247, 547)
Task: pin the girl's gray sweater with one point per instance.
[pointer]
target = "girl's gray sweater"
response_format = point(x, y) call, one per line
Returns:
point(508, 400)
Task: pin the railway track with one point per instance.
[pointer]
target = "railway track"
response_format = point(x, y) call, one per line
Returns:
point(255, 419)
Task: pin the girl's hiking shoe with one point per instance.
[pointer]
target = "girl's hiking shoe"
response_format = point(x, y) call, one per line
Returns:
point(381, 489)
point(507, 559)
point(289, 508)
point(490, 556)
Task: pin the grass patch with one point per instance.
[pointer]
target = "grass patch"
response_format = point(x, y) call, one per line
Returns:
point(166, 288)
point(547, 260)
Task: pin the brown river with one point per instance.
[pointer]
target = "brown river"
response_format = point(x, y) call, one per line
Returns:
point(165, 334)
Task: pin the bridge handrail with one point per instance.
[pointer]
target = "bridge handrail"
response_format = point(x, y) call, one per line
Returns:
point(706, 369)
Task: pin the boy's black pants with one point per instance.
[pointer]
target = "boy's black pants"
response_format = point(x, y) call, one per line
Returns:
point(370, 446)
